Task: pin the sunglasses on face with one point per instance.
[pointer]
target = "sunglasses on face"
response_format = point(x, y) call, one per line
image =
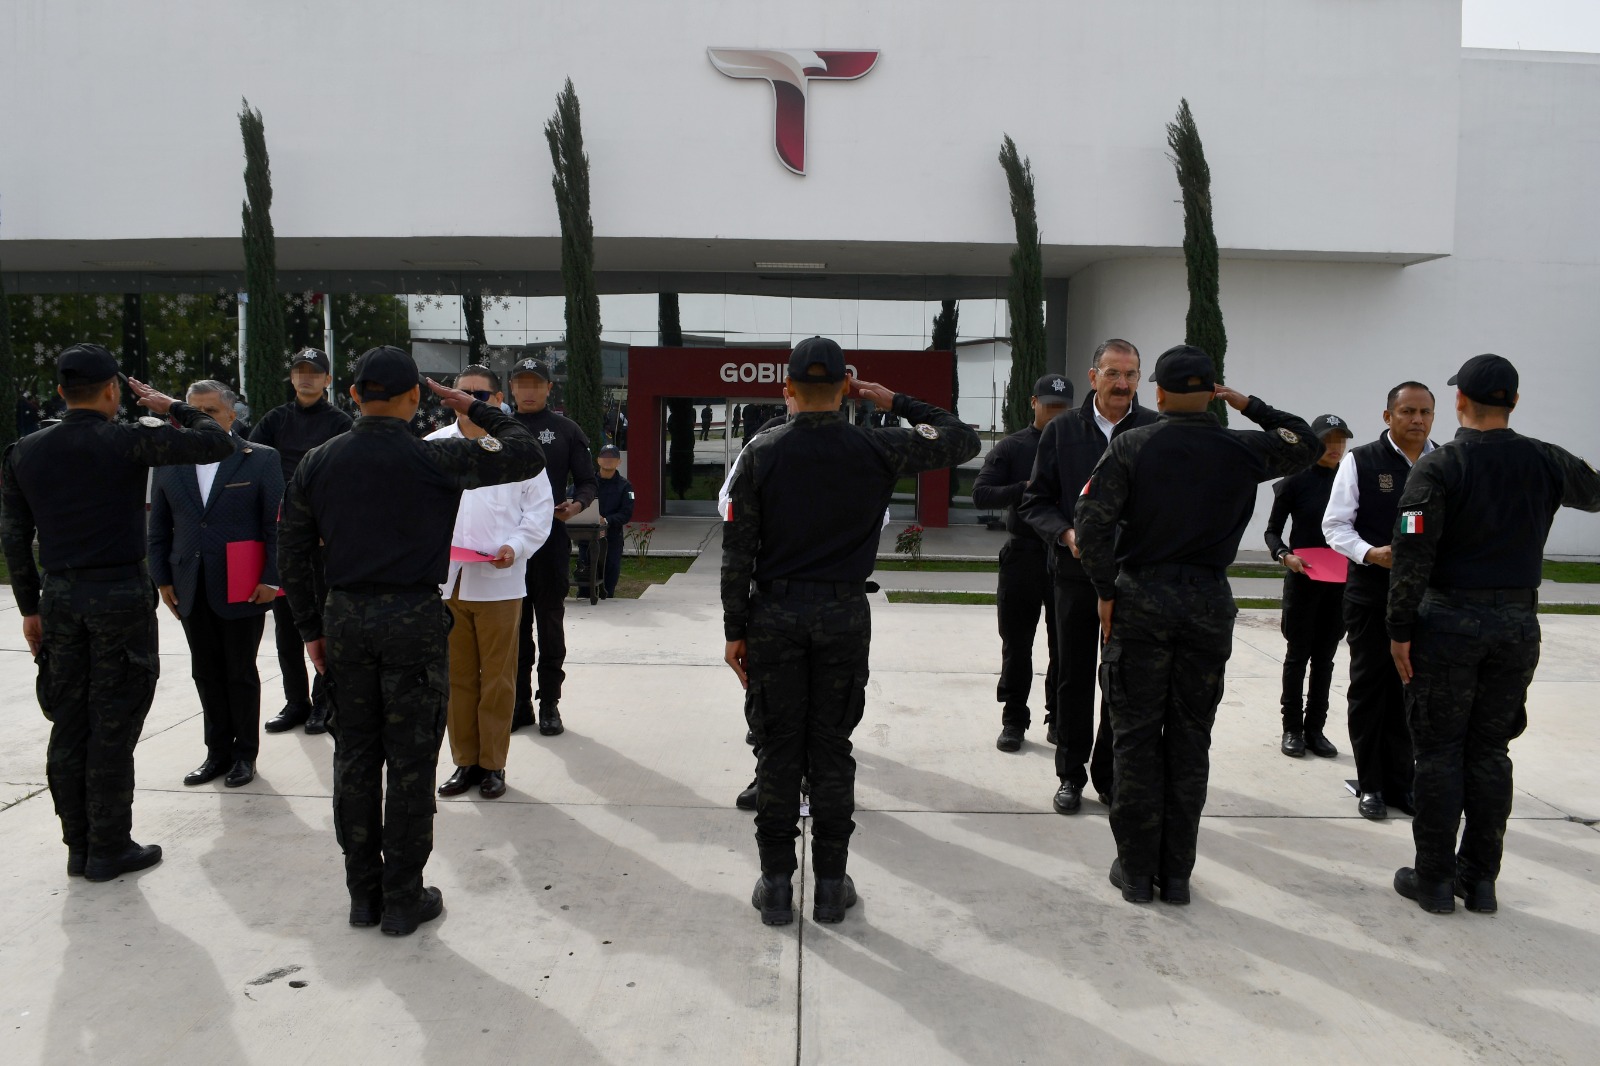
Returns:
point(480, 394)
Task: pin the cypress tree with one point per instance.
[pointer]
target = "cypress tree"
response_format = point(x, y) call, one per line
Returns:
point(570, 180)
point(266, 338)
point(1025, 294)
point(9, 396)
point(944, 340)
point(680, 411)
point(477, 339)
point(1203, 326)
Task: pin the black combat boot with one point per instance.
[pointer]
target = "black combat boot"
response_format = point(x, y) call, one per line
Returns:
point(831, 898)
point(774, 898)
point(105, 865)
point(404, 922)
point(550, 719)
point(1432, 896)
point(1134, 889)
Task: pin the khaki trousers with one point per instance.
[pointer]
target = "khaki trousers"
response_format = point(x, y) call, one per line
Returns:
point(483, 668)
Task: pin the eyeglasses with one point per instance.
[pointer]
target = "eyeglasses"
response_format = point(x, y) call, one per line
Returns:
point(480, 394)
point(1116, 375)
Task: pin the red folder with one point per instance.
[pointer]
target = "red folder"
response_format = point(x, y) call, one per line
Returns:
point(1324, 564)
point(247, 561)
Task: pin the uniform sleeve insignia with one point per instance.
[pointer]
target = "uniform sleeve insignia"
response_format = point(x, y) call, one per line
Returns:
point(1289, 436)
point(151, 422)
point(927, 431)
point(489, 444)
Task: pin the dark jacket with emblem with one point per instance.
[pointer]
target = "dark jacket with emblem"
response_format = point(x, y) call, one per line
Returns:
point(80, 485)
point(189, 537)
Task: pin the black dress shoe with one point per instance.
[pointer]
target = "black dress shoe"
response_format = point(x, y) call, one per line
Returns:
point(550, 719)
point(1104, 797)
point(774, 898)
point(317, 720)
point(366, 912)
point(493, 785)
point(1134, 889)
point(1372, 806)
point(1294, 744)
point(464, 778)
point(241, 773)
point(1050, 734)
point(521, 716)
point(831, 898)
point(1173, 889)
point(293, 714)
point(747, 798)
point(124, 860)
point(750, 737)
point(1432, 896)
point(1406, 804)
point(404, 922)
point(1010, 738)
point(1320, 746)
point(77, 859)
point(209, 770)
point(1477, 896)
point(1068, 798)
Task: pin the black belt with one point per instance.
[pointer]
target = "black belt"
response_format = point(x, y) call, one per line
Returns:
point(377, 588)
point(1178, 572)
point(815, 590)
point(1521, 597)
point(1022, 543)
point(100, 573)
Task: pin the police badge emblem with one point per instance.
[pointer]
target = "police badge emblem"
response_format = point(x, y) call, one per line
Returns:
point(1289, 436)
point(151, 422)
point(489, 444)
point(547, 436)
point(1385, 482)
point(927, 431)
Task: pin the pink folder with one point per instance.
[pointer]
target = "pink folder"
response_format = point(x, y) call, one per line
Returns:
point(1324, 564)
point(247, 561)
point(469, 555)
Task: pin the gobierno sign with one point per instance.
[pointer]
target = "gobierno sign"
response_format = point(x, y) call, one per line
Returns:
point(656, 375)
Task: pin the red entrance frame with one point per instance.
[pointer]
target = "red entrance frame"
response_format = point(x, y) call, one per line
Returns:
point(654, 374)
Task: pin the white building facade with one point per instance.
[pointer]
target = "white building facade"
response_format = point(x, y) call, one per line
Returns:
point(1387, 203)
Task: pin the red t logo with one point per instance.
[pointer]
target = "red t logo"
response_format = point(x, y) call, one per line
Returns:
point(789, 71)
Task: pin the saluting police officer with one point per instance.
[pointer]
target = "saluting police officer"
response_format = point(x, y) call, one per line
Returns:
point(1464, 628)
point(806, 505)
point(567, 460)
point(1158, 523)
point(91, 622)
point(381, 636)
point(1024, 583)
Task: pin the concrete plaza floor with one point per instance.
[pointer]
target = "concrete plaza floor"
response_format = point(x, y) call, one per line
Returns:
point(599, 912)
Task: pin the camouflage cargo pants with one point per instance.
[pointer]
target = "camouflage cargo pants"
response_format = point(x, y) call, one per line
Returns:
point(807, 666)
point(1162, 672)
point(97, 677)
point(389, 674)
point(1472, 661)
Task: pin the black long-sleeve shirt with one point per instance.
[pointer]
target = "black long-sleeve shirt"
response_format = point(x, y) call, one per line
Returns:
point(1299, 499)
point(1475, 514)
point(566, 455)
point(1181, 491)
point(808, 498)
point(80, 485)
point(1005, 474)
point(615, 496)
point(293, 430)
point(384, 502)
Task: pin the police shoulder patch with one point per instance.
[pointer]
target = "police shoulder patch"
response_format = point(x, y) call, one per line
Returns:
point(927, 431)
point(151, 422)
point(489, 444)
point(1289, 436)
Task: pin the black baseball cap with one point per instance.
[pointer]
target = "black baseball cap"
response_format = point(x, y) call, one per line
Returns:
point(609, 451)
point(315, 357)
point(530, 366)
point(1185, 368)
point(1053, 390)
point(385, 373)
point(817, 350)
point(1322, 425)
point(86, 364)
point(1489, 379)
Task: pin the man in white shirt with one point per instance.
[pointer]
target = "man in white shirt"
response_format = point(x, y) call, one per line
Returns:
point(504, 525)
point(1359, 524)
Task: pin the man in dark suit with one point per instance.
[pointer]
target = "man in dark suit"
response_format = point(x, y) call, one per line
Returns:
point(195, 513)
